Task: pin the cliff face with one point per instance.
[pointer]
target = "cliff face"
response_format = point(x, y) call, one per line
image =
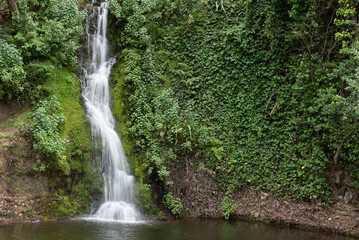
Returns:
point(17, 161)
point(224, 110)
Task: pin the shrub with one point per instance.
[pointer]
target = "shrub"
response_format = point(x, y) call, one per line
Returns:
point(46, 132)
point(228, 206)
point(12, 74)
point(174, 205)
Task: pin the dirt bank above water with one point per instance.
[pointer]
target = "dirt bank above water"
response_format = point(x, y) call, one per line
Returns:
point(201, 197)
point(340, 217)
point(21, 188)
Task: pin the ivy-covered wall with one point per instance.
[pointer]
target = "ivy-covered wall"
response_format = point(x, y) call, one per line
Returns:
point(260, 93)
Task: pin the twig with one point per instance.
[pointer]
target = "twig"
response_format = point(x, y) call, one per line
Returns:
point(270, 98)
point(274, 108)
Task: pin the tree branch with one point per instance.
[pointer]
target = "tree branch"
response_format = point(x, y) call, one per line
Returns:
point(336, 156)
point(12, 5)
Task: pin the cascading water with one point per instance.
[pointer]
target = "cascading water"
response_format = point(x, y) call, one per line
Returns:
point(119, 184)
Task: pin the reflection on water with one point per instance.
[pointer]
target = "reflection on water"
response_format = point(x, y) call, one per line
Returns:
point(189, 229)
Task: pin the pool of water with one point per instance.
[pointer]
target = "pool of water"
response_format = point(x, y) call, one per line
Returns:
point(188, 229)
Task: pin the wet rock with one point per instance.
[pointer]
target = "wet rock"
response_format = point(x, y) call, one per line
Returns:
point(255, 214)
point(348, 196)
point(264, 196)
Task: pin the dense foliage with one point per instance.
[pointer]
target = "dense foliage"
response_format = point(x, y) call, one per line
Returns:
point(12, 72)
point(39, 30)
point(263, 93)
point(48, 29)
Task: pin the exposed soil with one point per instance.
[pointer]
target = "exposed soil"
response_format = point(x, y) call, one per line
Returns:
point(8, 109)
point(201, 197)
point(21, 188)
point(340, 217)
point(20, 209)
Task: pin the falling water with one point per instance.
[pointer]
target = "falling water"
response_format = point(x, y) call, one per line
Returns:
point(117, 203)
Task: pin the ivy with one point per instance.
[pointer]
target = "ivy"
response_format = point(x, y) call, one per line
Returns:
point(215, 85)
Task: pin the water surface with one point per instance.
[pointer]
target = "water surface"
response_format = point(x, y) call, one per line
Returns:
point(189, 229)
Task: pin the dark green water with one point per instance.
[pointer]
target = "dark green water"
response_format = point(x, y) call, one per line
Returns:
point(192, 229)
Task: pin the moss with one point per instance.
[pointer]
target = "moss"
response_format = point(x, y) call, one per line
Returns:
point(143, 191)
point(63, 206)
point(82, 180)
point(118, 80)
point(5, 139)
point(27, 184)
point(5, 145)
point(22, 162)
point(123, 124)
point(6, 135)
point(19, 120)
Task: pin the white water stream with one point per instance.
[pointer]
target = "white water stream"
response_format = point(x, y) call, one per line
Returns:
point(119, 186)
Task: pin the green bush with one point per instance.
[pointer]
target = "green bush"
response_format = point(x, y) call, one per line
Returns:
point(174, 205)
point(12, 73)
point(51, 31)
point(45, 132)
point(228, 206)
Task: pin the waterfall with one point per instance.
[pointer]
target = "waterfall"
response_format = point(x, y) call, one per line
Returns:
point(117, 202)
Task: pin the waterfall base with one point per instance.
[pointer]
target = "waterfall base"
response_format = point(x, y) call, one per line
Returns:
point(111, 211)
point(118, 211)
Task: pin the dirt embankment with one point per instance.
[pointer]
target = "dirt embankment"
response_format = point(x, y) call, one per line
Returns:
point(201, 197)
point(21, 187)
